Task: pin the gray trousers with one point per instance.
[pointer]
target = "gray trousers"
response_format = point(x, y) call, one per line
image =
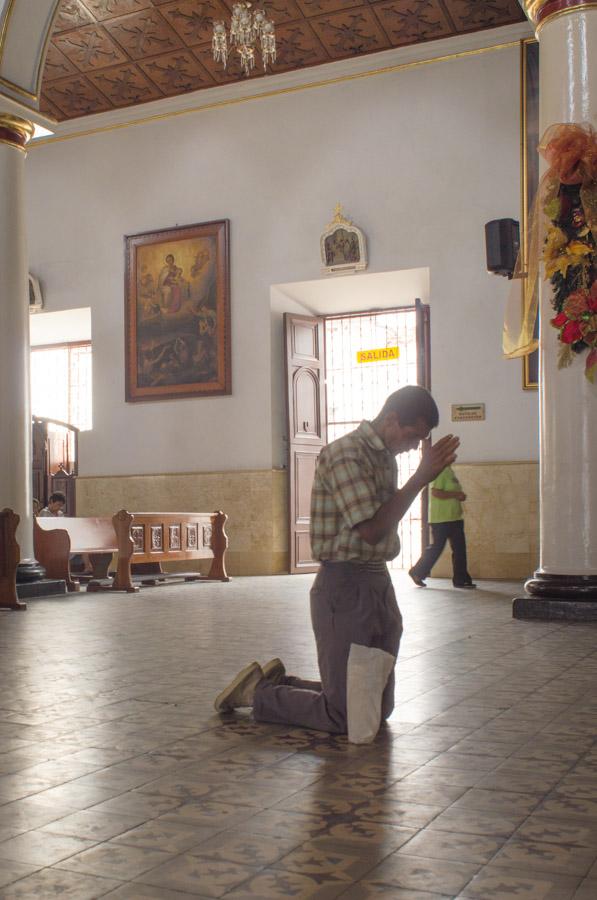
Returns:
point(350, 604)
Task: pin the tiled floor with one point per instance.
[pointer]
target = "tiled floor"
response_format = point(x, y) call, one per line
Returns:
point(117, 779)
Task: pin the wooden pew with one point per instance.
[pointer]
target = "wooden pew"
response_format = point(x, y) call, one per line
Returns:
point(167, 537)
point(56, 538)
point(137, 538)
point(10, 555)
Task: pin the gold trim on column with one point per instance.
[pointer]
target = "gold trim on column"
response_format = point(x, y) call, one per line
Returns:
point(542, 11)
point(14, 131)
point(558, 14)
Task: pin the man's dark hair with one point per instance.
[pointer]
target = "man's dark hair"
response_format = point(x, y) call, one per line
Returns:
point(57, 496)
point(410, 404)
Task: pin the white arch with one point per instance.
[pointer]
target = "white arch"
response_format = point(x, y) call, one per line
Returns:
point(25, 28)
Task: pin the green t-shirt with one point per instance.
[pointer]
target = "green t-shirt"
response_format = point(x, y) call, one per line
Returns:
point(445, 510)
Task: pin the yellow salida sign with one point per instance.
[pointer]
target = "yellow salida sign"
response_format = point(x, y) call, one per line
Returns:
point(382, 354)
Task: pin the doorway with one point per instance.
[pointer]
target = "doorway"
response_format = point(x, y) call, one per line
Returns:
point(339, 370)
point(359, 376)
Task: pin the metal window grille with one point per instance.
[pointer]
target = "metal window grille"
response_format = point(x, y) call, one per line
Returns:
point(357, 391)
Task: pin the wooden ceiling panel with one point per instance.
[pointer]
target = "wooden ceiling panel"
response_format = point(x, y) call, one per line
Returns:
point(144, 34)
point(350, 33)
point(76, 97)
point(108, 9)
point(71, 14)
point(125, 85)
point(107, 54)
point(471, 15)
point(297, 45)
point(57, 65)
point(90, 48)
point(312, 8)
point(406, 22)
point(177, 73)
point(279, 11)
point(192, 20)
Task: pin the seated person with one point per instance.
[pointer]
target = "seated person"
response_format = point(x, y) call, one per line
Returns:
point(56, 504)
point(80, 562)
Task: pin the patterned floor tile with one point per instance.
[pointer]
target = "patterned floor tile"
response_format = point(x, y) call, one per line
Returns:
point(473, 848)
point(244, 846)
point(42, 848)
point(587, 890)
point(53, 883)
point(90, 824)
point(11, 870)
point(540, 856)
point(323, 858)
point(477, 821)
point(161, 834)
point(495, 883)
point(115, 861)
point(418, 873)
point(363, 891)
point(505, 802)
point(136, 891)
point(273, 884)
point(199, 875)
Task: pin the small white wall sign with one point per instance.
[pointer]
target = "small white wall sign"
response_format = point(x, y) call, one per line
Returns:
point(468, 412)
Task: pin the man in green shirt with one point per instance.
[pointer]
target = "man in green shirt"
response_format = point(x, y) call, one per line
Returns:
point(446, 520)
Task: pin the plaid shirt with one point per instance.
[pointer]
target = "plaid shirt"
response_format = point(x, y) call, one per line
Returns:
point(355, 475)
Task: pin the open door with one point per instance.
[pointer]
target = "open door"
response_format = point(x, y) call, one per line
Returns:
point(304, 344)
point(424, 379)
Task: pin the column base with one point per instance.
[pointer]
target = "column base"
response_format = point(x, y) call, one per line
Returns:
point(29, 570)
point(569, 598)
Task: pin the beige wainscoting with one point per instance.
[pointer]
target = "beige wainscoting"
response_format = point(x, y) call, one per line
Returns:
point(255, 502)
point(501, 513)
point(501, 520)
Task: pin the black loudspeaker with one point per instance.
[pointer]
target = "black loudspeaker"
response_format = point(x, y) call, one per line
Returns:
point(502, 243)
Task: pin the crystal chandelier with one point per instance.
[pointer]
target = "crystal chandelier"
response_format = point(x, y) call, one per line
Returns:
point(247, 29)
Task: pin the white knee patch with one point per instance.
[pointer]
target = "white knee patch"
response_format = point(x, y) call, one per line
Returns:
point(366, 677)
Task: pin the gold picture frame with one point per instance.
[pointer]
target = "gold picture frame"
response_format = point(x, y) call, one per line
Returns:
point(177, 312)
point(529, 143)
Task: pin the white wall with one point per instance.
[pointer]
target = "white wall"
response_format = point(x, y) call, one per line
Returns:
point(421, 159)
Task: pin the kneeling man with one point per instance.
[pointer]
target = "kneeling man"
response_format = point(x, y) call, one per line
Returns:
point(355, 511)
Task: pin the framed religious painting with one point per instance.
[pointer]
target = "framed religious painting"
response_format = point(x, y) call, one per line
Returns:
point(177, 312)
point(530, 175)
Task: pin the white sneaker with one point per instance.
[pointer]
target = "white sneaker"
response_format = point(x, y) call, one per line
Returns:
point(241, 691)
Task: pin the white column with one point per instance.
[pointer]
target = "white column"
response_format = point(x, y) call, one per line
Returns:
point(568, 93)
point(15, 415)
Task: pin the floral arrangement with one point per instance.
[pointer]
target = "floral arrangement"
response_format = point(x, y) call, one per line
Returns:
point(569, 251)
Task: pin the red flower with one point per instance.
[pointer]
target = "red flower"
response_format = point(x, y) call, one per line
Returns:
point(559, 320)
point(571, 333)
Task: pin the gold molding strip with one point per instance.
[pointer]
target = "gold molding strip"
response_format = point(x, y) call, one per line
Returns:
point(18, 90)
point(234, 101)
point(4, 25)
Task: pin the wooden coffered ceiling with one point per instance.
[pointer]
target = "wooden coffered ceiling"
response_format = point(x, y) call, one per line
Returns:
point(108, 54)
